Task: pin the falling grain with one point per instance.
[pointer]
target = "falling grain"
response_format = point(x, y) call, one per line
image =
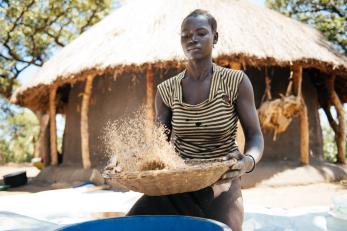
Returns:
point(136, 144)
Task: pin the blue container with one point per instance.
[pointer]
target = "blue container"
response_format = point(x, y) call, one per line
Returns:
point(150, 223)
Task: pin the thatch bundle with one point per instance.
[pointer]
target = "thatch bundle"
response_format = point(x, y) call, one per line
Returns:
point(277, 114)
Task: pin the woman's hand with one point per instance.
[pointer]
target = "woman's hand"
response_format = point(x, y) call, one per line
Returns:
point(244, 164)
point(220, 186)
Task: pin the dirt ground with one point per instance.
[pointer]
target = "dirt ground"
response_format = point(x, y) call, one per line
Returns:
point(292, 196)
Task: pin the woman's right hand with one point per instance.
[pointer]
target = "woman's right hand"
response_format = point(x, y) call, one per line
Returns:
point(224, 183)
point(221, 186)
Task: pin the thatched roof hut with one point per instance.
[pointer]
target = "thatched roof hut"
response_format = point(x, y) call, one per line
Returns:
point(145, 34)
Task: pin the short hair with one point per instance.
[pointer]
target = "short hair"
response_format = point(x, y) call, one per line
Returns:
point(211, 20)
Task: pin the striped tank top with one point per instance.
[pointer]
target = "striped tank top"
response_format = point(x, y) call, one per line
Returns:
point(208, 129)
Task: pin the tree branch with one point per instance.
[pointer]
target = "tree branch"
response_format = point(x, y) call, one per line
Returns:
point(330, 118)
point(7, 58)
point(94, 11)
point(318, 8)
point(16, 57)
point(15, 24)
point(56, 37)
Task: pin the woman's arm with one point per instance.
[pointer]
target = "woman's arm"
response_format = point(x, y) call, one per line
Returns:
point(254, 141)
point(163, 115)
point(248, 116)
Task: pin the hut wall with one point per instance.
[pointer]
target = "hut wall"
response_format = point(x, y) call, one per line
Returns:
point(115, 97)
point(72, 138)
point(112, 97)
point(312, 104)
point(287, 145)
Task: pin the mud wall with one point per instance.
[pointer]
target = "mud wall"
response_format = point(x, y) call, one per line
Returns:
point(287, 144)
point(117, 96)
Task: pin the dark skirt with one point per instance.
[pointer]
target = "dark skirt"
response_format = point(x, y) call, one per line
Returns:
point(226, 208)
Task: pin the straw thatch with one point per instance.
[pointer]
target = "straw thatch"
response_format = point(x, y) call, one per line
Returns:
point(143, 32)
point(277, 114)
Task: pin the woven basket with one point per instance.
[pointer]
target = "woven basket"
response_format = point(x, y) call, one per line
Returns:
point(197, 175)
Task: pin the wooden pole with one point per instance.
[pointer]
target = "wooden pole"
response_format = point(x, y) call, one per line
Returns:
point(303, 117)
point(267, 95)
point(53, 126)
point(339, 129)
point(42, 147)
point(84, 122)
point(149, 93)
point(46, 145)
point(304, 135)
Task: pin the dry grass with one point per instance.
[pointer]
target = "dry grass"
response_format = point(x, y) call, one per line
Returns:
point(136, 144)
point(277, 114)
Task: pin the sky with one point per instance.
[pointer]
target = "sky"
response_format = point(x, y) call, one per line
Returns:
point(259, 2)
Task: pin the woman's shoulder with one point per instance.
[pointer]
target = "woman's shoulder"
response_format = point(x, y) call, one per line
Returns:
point(231, 79)
point(171, 82)
point(168, 88)
point(229, 72)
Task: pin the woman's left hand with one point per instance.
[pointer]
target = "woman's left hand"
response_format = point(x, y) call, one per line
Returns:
point(244, 163)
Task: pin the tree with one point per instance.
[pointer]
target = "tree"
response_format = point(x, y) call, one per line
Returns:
point(18, 132)
point(30, 30)
point(328, 16)
point(329, 146)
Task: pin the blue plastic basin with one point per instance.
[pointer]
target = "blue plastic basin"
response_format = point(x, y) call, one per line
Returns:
point(150, 223)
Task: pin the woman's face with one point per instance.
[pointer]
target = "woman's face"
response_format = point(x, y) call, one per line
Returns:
point(197, 37)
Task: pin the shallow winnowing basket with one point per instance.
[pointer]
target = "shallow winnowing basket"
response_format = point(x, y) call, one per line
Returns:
point(195, 176)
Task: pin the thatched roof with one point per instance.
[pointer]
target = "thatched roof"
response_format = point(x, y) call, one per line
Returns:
point(143, 32)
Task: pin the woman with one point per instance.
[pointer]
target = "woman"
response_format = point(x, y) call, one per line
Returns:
point(202, 105)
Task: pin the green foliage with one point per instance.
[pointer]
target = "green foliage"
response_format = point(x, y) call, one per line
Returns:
point(329, 145)
point(19, 129)
point(31, 30)
point(328, 16)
